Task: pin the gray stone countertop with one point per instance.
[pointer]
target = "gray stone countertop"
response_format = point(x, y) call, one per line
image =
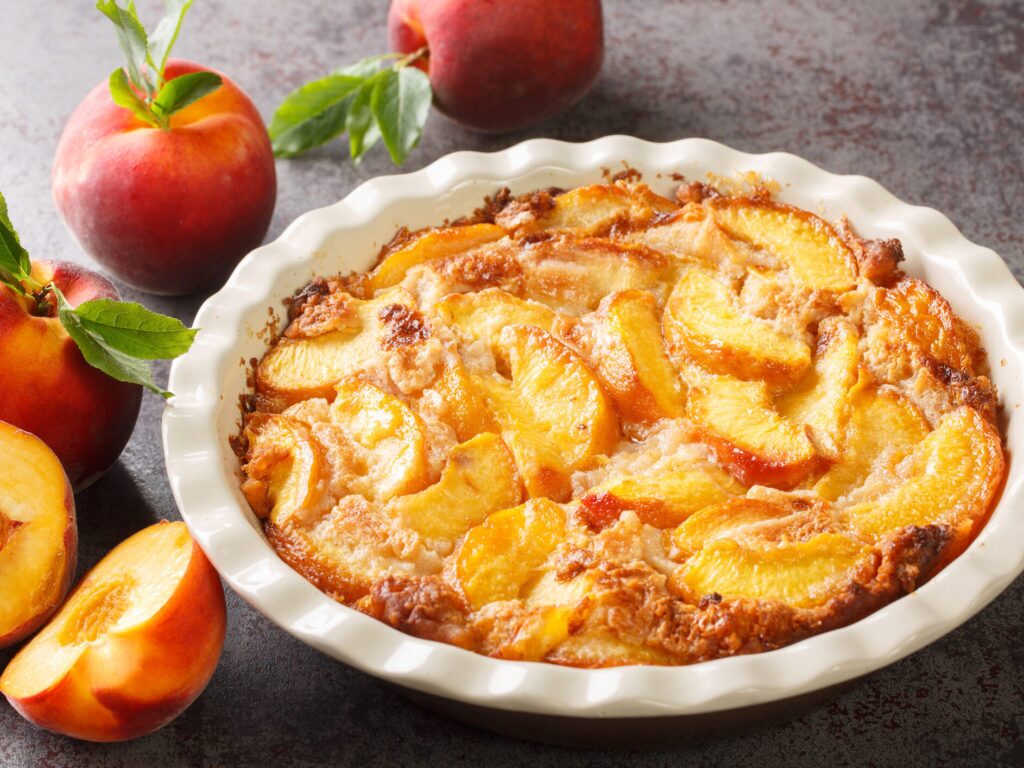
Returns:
point(926, 96)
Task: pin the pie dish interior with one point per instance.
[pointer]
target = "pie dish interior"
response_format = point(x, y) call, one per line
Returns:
point(606, 426)
point(346, 236)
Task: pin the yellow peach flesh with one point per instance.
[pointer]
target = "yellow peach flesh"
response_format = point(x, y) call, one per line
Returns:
point(37, 532)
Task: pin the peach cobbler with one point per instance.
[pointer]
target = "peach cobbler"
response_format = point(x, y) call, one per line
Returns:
point(601, 426)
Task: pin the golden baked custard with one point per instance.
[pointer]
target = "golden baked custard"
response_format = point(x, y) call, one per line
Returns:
point(601, 426)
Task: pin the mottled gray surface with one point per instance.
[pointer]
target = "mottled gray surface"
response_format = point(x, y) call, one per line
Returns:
point(924, 96)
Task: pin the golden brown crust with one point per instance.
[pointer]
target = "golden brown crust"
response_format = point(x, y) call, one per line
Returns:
point(635, 543)
point(426, 608)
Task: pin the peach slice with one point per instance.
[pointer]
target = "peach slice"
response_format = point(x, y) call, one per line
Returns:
point(574, 275)
point(662, 500)
point(691, 235)
point(950, 479)
point(883, 428)
point(593, 210)
point(815, 254)
point(38, 535)
point(754, 520)
point(498, 557)
point(914, 316)
point(822, 400)
point(133, 646)
point(633, 365)
point(479, 478)
point(300, 369)
point(465, 408)
point(393, 436)
point(802, 574)
point(703, 322)
point(284, 469)
point(555, 413)
point(738, 421)
point(432, 244)
point(482, 315)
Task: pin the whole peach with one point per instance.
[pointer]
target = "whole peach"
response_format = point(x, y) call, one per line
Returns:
point(500, 66)
point(168, 211)
point(46, 386)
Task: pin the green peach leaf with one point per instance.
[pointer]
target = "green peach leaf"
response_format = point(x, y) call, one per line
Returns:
point(184, 90)
point(124, 96)
point(401, 104)
point(132, 329)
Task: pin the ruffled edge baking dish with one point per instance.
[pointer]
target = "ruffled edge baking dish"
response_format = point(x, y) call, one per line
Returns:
point(345, 236)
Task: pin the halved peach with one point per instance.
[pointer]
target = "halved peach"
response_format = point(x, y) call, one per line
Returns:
point(391, 433)
point(634, 365)
point(738, 421)
point(133, 646)
point(38, 535)
point(801, 574)
point(300, 369)
point(479, 478)
point(433, 244)
point(821, 401)
point(498, 557)
point(554, 412)
point(703, 322)
point(815, 254)
point(882, 429)
point(950, 479)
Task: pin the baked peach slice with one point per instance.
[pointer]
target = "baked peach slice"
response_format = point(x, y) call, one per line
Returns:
point(915, 317)
point(552, 607)
point(662, 500)
point(133, 646)
point(482, 315)
point(951, 478)
point(392, 435)
point(704, 322)
point(465, 408)
point(299, 369)
point(285, 467)
point(575, 274)
point(882, 429)
point(690, 235)
point(634, 366)
point(38, 535)
point(478, 479)
point(433, 244)
point(754, 521)
point(500, 556)
point(555, 414)
point(816, 256)
point(738, 420)
point(821, 401)
point(593, 210)
point(802, 574)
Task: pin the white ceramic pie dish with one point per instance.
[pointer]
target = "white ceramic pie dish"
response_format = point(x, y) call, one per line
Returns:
point(345, 236)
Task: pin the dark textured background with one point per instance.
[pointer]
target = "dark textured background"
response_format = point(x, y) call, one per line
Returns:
point(924, 96)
